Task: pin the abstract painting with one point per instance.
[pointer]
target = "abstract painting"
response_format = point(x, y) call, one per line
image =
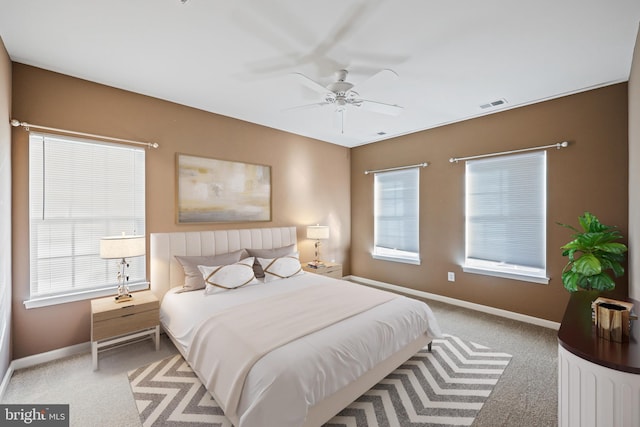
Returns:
point(213, 190)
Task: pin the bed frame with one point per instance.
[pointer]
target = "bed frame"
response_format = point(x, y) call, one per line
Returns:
point(166, 273)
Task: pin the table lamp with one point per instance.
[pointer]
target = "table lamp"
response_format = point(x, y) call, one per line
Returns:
point(317, 232)
point(122, 247)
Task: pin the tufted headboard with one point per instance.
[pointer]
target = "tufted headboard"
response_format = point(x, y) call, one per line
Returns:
point(166, 272)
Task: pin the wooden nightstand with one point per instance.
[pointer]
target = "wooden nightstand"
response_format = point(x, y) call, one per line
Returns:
point(330, 269)
point(118, 323)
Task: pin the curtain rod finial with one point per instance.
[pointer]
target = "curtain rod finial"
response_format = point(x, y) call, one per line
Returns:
point(453, 160)
point(564, 144)
point(15, 123)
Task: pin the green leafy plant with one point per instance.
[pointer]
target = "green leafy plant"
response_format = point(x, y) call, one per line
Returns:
point(592, 252)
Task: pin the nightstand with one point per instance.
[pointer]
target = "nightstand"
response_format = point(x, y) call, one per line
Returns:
point(330, 269)
point(118, 323)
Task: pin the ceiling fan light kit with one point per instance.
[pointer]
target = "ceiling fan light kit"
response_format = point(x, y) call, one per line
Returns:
point(341, 95)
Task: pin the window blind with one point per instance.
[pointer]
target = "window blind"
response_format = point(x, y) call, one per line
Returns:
point(396, 215)
point(80, 191)
point(506, 213)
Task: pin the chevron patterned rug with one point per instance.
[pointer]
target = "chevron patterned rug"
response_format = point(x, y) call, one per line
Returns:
point(446, 387)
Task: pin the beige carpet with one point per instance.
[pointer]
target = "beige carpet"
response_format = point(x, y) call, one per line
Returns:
point(97, 398)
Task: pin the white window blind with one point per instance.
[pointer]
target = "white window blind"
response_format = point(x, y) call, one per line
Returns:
point(80, 191)
point(506, 215)
point(396, 215)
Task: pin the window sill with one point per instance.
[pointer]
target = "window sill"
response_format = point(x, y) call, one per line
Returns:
point(79, 296)
point(507, 274)
point(414, 261)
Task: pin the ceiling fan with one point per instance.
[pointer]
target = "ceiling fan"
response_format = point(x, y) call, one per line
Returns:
point(341, 95)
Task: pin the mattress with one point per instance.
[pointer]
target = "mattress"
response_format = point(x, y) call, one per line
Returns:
point(285, 383)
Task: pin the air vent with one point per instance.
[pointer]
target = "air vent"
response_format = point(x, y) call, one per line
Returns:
point(494, 104)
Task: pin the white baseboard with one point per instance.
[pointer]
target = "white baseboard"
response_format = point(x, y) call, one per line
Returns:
point(460, 303)
point(5, 381)
point(37, 359)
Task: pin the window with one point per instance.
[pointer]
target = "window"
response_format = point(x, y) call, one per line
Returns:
point(506, 216)
point(80, 191)
point(396, 215)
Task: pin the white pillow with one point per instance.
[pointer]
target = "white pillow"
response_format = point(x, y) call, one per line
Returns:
point(280, 268)
point(225, 277)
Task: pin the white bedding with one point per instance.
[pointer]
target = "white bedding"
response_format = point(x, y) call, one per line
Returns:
point(285, 383)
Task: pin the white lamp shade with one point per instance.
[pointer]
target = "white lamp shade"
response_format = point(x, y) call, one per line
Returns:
point(122, 246)
point(317, 232)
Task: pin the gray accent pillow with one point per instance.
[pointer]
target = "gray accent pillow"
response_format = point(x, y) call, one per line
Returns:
point(193, 279)
point(268, 253)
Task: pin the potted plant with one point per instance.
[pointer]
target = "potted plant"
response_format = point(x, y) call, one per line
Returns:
point(592, 253)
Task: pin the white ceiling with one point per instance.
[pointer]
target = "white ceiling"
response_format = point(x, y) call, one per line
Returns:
point(235, 58)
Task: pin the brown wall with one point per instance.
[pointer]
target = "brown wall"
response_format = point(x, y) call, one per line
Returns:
point(310, 179)
point(5, 210)
point(311, 185)
point(589, 175)
point(634, 174)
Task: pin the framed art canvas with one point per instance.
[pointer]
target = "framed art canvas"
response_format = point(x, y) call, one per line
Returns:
point(213, 190)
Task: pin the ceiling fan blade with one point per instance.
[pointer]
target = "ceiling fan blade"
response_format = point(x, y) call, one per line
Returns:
point(312, 84)
point(339, 119)
point(307, 106)
point(381, 77)
point(379, 107)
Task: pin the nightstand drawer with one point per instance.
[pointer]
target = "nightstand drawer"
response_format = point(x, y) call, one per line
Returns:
point(334, 271)
point(128, 321)
point(127, 308)
point(110, 318)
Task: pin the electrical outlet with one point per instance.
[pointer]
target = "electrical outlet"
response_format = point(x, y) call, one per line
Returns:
point(451, 276)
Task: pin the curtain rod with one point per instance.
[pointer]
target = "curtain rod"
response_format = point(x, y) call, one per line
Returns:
point(419, 165)
point(557, 145)
point(26, 126)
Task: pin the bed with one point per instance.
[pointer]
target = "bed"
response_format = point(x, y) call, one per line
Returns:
point(306, 380)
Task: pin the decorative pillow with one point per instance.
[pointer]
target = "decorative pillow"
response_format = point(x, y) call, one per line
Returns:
point(280, 268)
point(193, 278)
point(231, 276)
point(268, 253)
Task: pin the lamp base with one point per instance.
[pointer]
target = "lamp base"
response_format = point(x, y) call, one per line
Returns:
point(123, 297)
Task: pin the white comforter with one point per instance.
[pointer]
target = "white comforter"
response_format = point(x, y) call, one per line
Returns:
point(285, 383)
